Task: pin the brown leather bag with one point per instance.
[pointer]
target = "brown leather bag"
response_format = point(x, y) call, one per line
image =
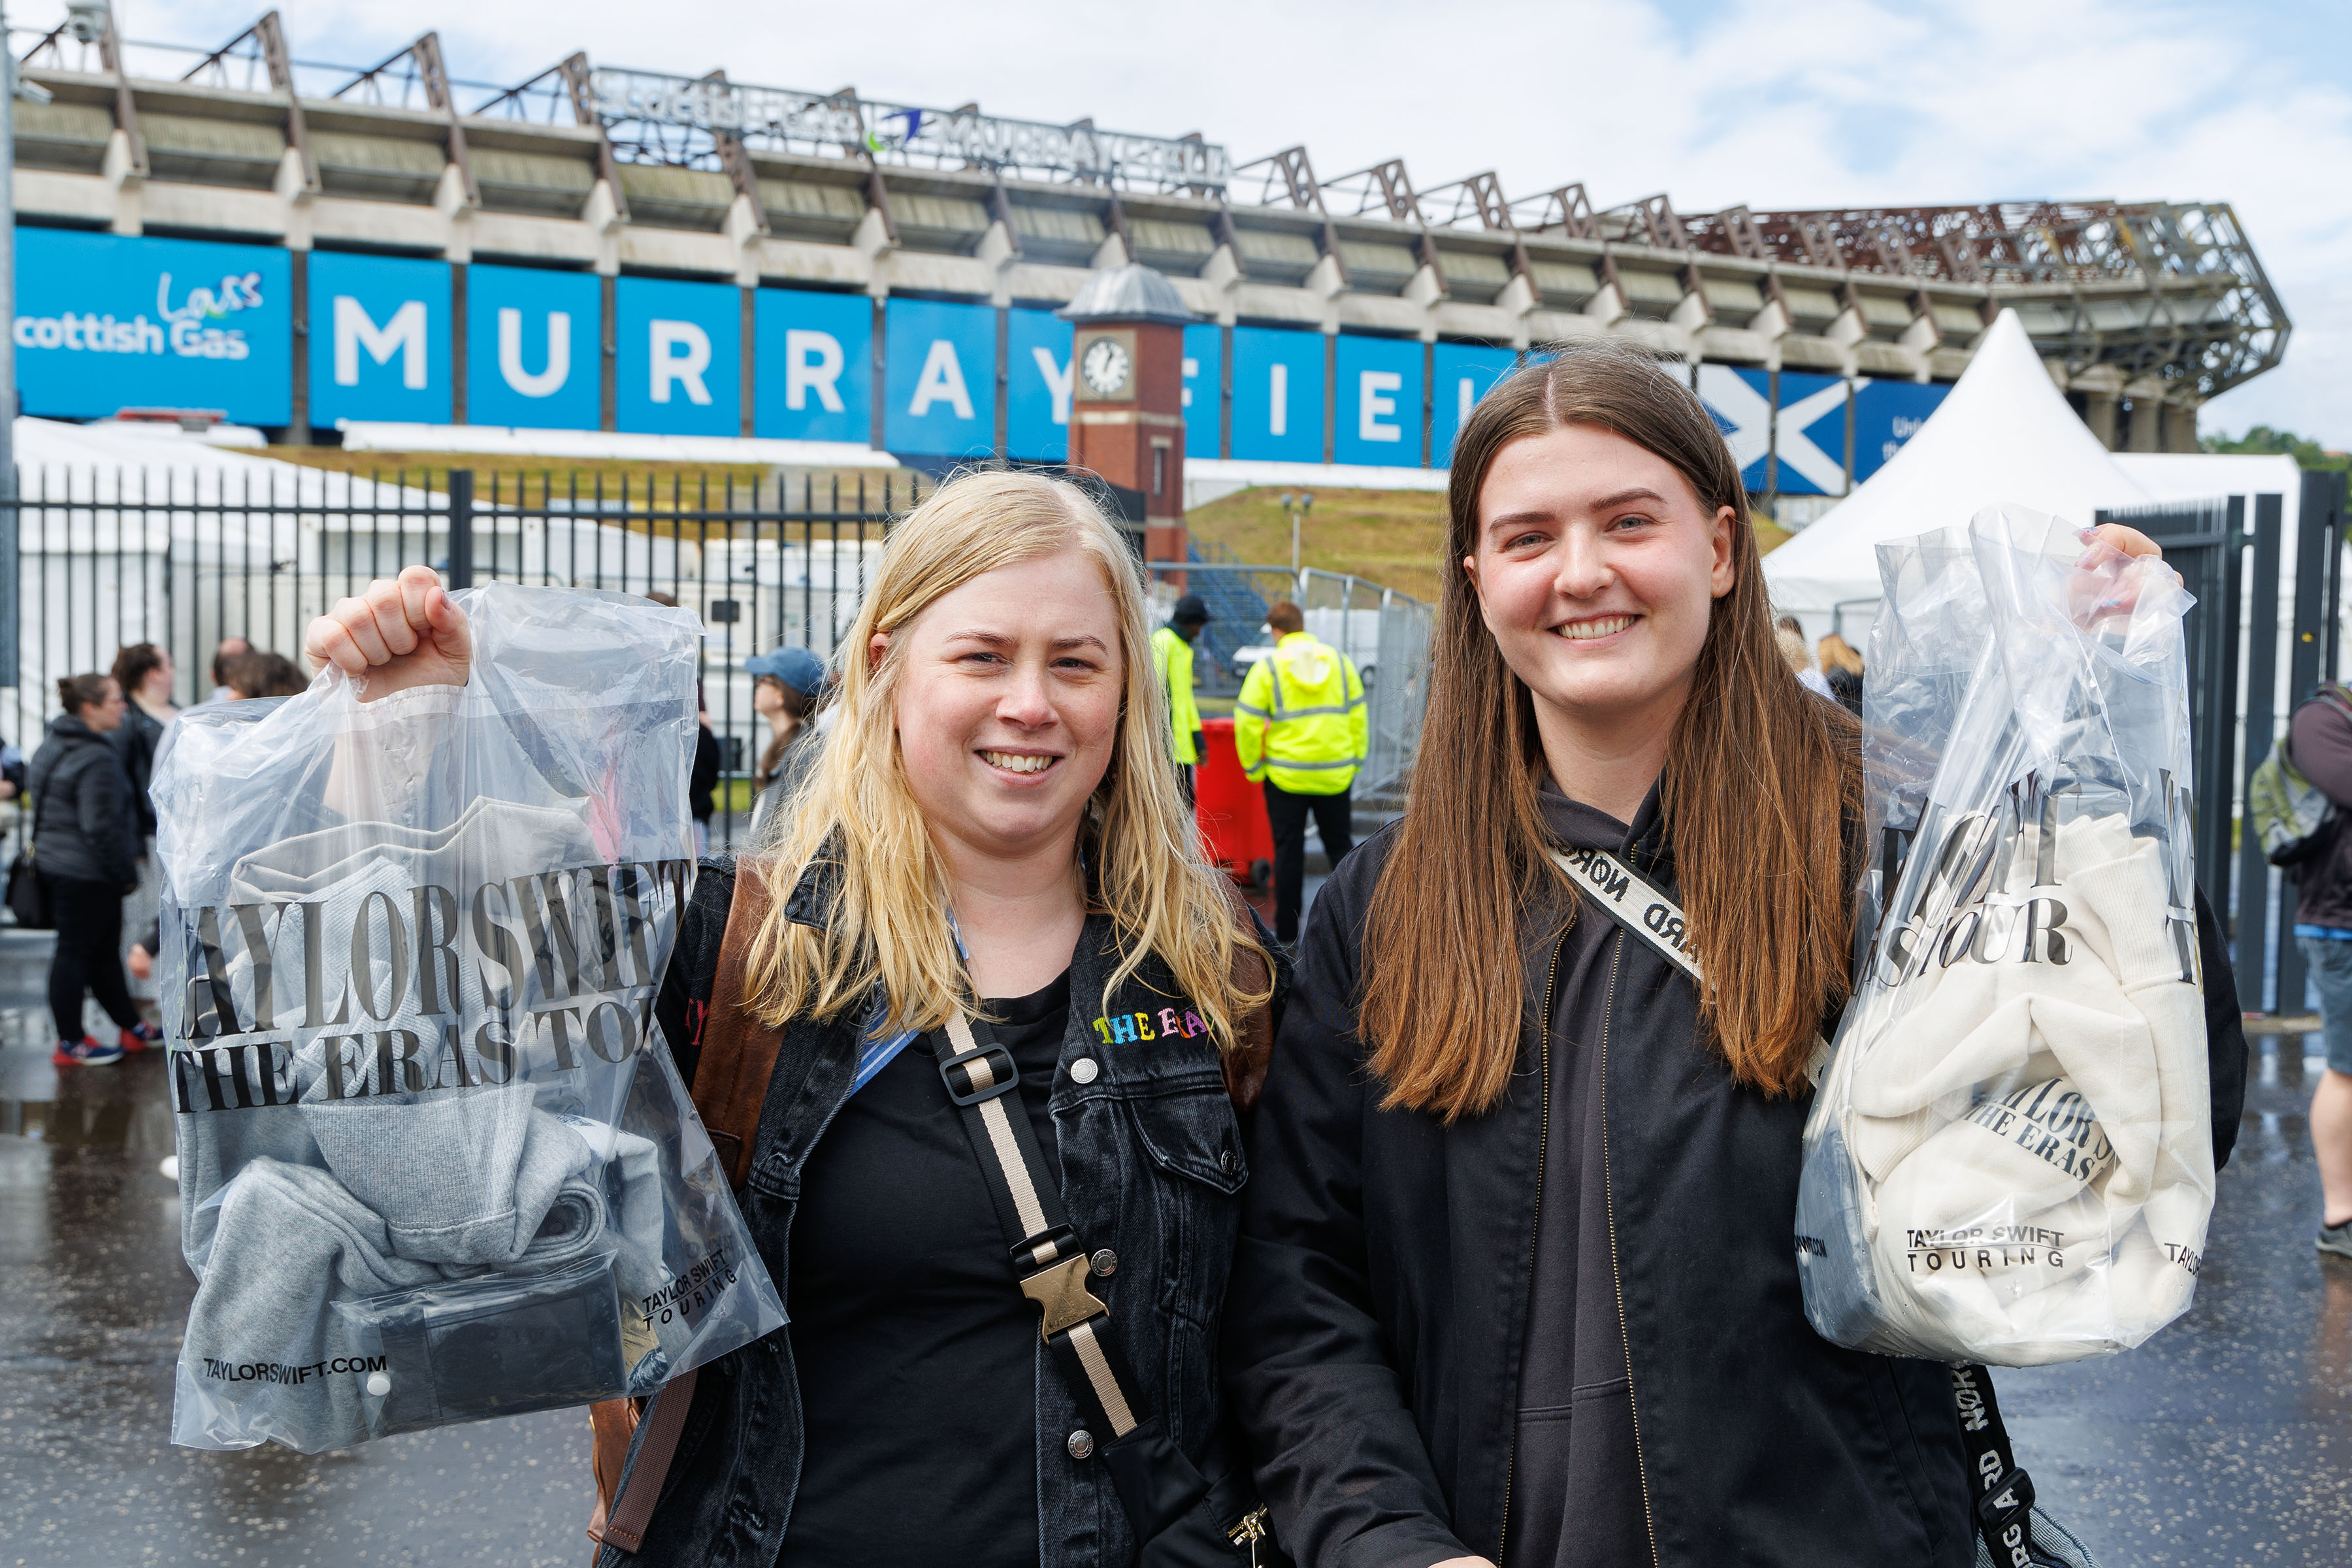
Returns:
point(731, 1085)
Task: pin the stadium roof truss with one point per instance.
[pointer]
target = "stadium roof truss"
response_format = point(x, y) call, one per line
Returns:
point(2148, 290)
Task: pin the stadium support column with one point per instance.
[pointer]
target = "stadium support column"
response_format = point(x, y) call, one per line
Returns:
point(1127, 398)
point(608, 350)
point(458, 369)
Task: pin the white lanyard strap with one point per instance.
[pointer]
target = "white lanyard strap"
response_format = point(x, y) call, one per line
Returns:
point(1636, 902)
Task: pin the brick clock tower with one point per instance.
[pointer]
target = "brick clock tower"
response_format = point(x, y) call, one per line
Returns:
point(1127, 396)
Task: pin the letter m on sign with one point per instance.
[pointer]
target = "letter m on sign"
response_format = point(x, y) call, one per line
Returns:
point(403, 334)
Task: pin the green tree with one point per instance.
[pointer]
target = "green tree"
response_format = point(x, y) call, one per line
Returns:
point(2264, 441)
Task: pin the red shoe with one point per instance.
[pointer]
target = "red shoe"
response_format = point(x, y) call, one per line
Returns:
point(141, 1036)
point(85, 1053)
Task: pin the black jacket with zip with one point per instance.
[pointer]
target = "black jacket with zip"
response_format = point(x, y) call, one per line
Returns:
point(1381, 1294)
point(88, 829)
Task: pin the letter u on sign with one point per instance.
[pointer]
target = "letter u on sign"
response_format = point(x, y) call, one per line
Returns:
point(549, 381)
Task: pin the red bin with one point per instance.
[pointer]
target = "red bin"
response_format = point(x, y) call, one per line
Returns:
point(1234, 831)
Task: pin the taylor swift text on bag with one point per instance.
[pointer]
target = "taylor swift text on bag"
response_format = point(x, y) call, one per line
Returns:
point(435, 1163)
point(2010, 1159)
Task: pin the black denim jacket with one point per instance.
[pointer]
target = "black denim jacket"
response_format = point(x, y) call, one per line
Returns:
point(1151, 1166)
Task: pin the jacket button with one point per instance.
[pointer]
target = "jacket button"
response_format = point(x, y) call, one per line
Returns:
point(1084, 1069)
point(1105, 1263)
point(1228, 1159)
point(1082, 1444)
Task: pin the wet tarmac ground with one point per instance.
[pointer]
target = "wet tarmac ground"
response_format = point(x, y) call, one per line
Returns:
point(2226, 1440)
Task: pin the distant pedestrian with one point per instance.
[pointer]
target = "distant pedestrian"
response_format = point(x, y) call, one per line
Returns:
point(787, 686)
point(1171, 655)
point(702, 779)
point(1841, 668)
point(1302, 730)
point(229, 647)
point(84, 847)
point(1789, 635)
point(2319, 737)
point(251, 676)
point(144, 673)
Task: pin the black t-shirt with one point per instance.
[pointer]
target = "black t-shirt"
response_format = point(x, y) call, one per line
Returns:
point(918, 1354)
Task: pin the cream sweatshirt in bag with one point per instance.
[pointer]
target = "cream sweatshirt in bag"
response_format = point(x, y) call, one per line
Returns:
point(2032, 1130)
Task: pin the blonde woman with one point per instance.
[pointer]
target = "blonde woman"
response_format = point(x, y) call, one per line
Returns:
point(995, 817)
point(1841, 668)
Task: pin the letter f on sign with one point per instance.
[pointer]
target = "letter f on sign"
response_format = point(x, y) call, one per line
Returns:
point(681, 352)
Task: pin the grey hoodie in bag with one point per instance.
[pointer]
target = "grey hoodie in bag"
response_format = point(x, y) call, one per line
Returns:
point(435, 1162)
point(2010, 1159)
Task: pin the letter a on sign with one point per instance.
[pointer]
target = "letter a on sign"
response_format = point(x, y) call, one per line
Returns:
point(941, 382)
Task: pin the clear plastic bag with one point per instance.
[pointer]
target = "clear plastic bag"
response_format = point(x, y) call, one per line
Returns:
point(2010, 1157)
point(435, 1162)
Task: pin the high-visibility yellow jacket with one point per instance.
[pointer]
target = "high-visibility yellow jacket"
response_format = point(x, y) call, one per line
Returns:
point(1301, 723)
point(1172, 657)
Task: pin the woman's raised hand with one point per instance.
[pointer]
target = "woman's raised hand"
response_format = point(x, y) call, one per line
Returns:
point(2117, 565)
point(402, 631)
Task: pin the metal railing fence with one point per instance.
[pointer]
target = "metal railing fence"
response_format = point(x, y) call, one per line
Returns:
point(182, 559)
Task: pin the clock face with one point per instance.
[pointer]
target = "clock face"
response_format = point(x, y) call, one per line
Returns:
point(1105, 366)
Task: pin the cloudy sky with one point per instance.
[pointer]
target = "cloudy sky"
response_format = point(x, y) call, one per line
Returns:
point(1770, 102)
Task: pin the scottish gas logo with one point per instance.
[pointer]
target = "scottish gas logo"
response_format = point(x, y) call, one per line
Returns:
point(192, 329)
point(105, 321)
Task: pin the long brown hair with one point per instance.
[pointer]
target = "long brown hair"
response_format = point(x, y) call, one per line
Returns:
point(1759, 779)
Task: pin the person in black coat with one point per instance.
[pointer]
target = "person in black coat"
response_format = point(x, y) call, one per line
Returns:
point(1515, 1283)
point(86, 848)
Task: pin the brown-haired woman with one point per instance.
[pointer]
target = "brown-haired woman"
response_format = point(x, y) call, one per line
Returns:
point(1515, 1283)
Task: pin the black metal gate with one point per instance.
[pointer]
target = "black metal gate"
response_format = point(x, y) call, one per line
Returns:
point(2205, 544)
point(184, 559)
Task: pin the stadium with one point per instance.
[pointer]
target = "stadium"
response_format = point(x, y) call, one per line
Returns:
point(318, 250)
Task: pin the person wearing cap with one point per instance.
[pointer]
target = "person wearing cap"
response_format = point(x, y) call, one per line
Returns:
point(1171, 657)
point(786, 686)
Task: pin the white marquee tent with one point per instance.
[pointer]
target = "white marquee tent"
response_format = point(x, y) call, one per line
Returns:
point(2004, 434)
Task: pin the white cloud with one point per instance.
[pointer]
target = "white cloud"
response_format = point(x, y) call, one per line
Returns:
point(1769, 102)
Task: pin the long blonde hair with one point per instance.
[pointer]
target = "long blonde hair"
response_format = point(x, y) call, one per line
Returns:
point(887, 922)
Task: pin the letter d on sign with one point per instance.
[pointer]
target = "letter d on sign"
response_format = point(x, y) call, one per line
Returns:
point(681, 352)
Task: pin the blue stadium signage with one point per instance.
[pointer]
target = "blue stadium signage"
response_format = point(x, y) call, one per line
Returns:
point(107, 321)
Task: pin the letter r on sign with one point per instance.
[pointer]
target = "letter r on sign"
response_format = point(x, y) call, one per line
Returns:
point(681, 352)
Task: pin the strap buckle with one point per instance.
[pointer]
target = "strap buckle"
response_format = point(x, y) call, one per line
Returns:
point(2006, 1500)
point(1062, 1297)
point(1003, 1076)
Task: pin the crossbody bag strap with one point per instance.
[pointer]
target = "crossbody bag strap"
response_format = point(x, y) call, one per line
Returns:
point(2000, 1494)
point(1633, 901)
point(1047, 1257)
point(739, 1051)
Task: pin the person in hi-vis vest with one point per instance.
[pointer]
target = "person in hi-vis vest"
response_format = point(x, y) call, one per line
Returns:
point(1302, 730)
point(1171, 654)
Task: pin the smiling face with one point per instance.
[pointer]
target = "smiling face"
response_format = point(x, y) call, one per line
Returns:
point(1008, 702)
point(1596, 567)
